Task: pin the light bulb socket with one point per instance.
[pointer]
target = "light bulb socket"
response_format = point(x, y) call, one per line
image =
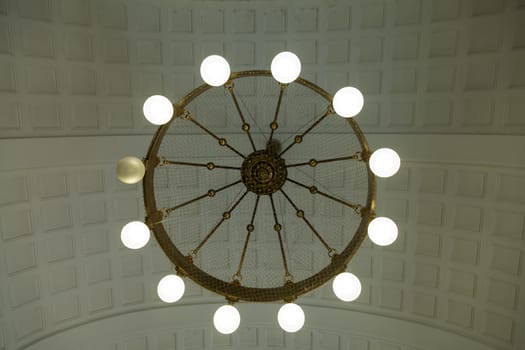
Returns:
point(231, 300)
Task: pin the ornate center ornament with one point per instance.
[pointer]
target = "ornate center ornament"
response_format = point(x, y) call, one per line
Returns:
point(263, 172)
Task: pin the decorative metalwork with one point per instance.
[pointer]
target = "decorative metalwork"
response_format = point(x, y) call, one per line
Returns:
point(263, 173)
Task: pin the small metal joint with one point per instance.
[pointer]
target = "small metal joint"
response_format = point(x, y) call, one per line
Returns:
point(152, 162)
point(237, 278)
point(313, 189)
point(211, 193)
point(156, 217)
point(245, 127)
point(312, 162)
point(360, 210)
point(250, 228)
point(226, 215)
point(300, 213)
point(186, 114)
point(222, 142)
point(274, 125)
point(365, 155)
point(180, 272)
point(277, 227)
point(210, 166)
point(298, 139)
point(331, 252)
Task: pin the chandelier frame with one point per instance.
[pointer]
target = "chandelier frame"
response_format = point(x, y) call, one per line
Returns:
point(234, 290)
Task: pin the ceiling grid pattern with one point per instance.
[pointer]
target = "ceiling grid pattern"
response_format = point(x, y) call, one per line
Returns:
point(87, 66)
point(79, 68)
point(457, 264)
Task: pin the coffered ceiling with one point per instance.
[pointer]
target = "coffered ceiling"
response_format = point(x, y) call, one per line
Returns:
point(444, 84)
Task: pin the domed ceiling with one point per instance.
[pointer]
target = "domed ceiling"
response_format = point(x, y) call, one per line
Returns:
point(444, 85)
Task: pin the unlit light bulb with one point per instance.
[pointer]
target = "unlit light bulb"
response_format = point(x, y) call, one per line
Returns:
point(215, 70)
point(348, 102)
point(226, 319)
point(291, 317)
point(384, 162)
point(158, 109)
point(382, 231)
point(135, 235)
point(346, 286)
point(130, 170)
point(286, 67)
point(170, 288)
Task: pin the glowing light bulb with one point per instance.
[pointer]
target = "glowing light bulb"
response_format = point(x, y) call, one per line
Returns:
point(130, 170)
point(346, 286)
point(170, 288)
point(348, 102)
point(384, 162)
point(291, 317)
point(215, 70)
point(158, 109)
point(382, 231)
point(286, 67)
point(135, 235)
point(226, 319)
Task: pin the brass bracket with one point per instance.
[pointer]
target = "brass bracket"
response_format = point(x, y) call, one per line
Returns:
point(155, 218)
point(365, 155)
point(151, 162)
point(180, 271)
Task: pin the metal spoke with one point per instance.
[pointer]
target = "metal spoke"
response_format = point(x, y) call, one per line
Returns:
point(315, 190)
point(245, 126)
point(209, 165)
point(249, 228)
point(277, 227)
point(222, 141)
point(273, 124)
point(313, 162)
point(225, 216)
point(210, 193)
point(299, 138)
point(300, 214)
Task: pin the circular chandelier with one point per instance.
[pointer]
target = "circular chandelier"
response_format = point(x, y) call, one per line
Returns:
point(267, 192)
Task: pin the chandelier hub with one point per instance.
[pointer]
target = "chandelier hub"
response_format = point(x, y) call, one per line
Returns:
point(263, 172)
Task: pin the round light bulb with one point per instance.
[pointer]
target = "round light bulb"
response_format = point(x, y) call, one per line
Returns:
point(286, 67)
point(135, 235)
point(346, 286)
point(170, 288)
point(130, 170)
point(291, 317)
point(382, 231)
point(226, 319)
point(384, 162)
point(215, 70)
point(158, 109)
point(348, 102)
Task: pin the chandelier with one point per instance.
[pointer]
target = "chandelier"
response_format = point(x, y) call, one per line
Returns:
point(270, 183)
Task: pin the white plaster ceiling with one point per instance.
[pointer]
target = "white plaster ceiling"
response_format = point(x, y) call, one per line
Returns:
point(444, 83)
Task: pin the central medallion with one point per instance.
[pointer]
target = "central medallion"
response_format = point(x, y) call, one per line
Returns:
point(263, 172)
